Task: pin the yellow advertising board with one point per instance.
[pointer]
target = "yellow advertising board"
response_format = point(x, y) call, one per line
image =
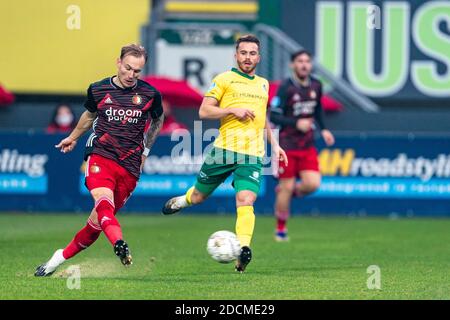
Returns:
point(60, 46)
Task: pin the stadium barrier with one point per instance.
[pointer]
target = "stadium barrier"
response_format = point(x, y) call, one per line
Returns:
point(363, 175)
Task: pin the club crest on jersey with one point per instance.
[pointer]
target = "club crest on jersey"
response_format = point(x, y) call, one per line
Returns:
point(296, 97)
point(313, 94)
point(94, 168)
point(137, 100)
point(264, 87)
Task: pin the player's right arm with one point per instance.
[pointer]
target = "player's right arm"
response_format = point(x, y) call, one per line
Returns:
point(83, 125)
point(210, 109)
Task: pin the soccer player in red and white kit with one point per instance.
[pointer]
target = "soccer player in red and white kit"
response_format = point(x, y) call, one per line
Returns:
point(296, 108)
point(118, 108)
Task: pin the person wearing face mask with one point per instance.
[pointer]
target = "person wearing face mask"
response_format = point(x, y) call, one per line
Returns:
point(63, 120)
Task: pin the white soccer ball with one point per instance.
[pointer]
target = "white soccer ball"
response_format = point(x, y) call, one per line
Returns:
point(223, 246)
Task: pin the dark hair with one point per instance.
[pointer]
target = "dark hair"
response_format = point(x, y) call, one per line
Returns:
point(134, 50)
point(299, 53)
point(248, 38)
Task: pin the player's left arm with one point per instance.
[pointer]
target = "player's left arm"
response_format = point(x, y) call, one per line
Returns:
point(327, 136)
point(277, 151)
point(157, 120)
point(152, 133)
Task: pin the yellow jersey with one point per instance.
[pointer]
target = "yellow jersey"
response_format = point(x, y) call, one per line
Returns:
point(235, 89)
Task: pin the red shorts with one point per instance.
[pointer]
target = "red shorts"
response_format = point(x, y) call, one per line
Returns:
point(105, 173)
point(299, 160)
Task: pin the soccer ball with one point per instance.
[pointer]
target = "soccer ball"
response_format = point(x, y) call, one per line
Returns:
point(223, 246)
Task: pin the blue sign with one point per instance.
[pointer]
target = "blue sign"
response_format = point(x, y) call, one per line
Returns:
point(170, 185)
point(361, 175)
point(383, 188)
point(22, 183)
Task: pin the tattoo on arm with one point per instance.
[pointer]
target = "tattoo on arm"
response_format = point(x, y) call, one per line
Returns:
point(153, 131)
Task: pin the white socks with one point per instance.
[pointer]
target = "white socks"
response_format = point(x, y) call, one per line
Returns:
point(181, 202)
point(56, 260)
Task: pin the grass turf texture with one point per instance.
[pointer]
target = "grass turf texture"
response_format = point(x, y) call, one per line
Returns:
point(327, 258)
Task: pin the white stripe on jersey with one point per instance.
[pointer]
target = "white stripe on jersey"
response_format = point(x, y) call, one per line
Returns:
point(86, 169)
point(87, 142)
point(90, 140)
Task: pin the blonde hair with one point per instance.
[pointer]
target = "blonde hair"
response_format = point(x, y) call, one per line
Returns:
point(134, 50)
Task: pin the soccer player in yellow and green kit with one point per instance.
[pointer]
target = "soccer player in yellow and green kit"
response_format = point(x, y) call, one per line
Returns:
point(239, 99)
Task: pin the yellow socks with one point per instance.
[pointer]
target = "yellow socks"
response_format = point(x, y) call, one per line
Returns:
point(245, 224)
point(188, 195)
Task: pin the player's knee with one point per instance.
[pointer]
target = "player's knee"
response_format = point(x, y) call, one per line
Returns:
point(94, 224)
point(287, 187)
point(245, 198)
point(105, 209)
point(93, 218)
point(99, 193)
point(96, 194)
point(311, 186)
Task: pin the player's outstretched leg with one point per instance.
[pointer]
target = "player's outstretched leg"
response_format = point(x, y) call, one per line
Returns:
point(48, 268)
point(83, 239)
point(176, 204)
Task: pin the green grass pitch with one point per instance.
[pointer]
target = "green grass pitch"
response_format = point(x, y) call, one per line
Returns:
point(327, 258)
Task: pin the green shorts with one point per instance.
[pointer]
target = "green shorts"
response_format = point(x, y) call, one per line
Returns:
point(220, 163)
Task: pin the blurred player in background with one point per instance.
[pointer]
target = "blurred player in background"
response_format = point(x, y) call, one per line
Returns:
point(117, 109)
point(296, 108)
point(239, 99)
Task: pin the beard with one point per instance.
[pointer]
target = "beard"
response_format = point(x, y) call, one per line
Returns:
point(246, 68)
point(303, 73)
